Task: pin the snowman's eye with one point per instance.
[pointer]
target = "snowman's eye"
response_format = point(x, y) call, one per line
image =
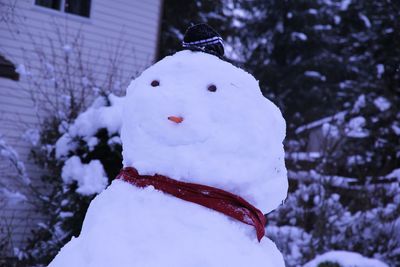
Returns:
point(155, 83)
point(212, 88)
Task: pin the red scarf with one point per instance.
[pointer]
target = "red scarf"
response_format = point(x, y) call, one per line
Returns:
point(207, 196)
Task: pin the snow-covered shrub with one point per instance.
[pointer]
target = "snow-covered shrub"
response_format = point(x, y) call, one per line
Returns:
point(314, 219)
point(82, 158)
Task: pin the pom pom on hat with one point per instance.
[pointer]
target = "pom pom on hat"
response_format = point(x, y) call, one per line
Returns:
point(202, 37)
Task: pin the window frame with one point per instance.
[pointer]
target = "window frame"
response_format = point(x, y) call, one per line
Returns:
point(61, 11)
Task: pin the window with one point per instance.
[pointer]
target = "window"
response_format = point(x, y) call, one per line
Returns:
point(76, 7)
point(53, 4)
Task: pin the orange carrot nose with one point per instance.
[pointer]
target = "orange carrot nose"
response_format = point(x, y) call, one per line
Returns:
point(175, 119)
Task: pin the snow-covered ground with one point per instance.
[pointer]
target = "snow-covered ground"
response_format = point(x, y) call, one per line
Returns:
point(345, 259)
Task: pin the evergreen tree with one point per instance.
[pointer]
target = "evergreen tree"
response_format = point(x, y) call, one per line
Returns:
point(180, 14)
point(326, 58)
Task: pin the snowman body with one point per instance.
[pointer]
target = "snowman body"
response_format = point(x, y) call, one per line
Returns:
point(129, 226)
point(228, 136)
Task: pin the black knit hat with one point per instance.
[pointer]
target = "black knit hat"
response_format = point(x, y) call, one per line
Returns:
point(202, 37)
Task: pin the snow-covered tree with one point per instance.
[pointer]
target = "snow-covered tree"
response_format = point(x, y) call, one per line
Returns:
point(81, 161)
point(336, 59)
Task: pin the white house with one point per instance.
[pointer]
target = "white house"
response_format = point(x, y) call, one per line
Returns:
point(119, 33)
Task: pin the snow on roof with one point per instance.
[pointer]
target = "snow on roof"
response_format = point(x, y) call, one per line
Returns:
point(334, 180)
point(337, 117)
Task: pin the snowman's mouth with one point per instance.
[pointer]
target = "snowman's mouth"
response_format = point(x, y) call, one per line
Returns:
point(175, 133)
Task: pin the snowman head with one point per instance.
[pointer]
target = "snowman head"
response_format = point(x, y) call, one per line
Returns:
point(196, 118)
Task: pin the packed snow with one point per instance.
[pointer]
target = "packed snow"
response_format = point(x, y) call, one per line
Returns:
point(129, 226)
point(345, 259)
point(229, 138)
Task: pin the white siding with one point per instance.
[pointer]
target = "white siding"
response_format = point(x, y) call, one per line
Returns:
point(132, 22)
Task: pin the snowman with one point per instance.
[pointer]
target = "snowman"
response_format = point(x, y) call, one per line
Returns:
point(203, 161)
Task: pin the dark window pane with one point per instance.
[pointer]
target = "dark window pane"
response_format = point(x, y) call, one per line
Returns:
point(78, 7)
point(53, 4)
